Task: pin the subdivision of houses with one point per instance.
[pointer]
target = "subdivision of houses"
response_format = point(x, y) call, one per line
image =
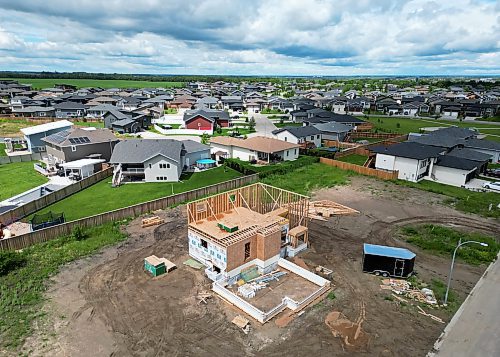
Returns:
point(154, 160)
point(251, 230)
point(257, 148)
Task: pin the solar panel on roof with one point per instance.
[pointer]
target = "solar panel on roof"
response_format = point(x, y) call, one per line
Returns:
point(86, 140)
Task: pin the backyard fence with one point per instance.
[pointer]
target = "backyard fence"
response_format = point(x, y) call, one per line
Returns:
point(20, 158)
point(357, 135)
point(44, 201)
point(43, 235)
point(381, 174)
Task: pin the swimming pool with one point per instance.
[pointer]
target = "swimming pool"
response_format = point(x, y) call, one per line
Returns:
point(205, 161)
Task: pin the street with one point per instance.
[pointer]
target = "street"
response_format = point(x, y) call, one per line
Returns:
point(263, 126)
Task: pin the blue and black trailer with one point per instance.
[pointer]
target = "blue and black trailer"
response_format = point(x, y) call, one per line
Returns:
point(388, 261)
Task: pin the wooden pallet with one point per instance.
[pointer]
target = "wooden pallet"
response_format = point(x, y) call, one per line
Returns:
point(151, 221)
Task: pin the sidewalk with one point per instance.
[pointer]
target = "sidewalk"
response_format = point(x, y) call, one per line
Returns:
point(475, 328)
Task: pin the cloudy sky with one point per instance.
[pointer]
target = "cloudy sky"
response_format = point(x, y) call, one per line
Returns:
point(295, 37)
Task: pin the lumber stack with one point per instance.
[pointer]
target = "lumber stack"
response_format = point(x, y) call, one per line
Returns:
point(324, 208)
point(151, 221)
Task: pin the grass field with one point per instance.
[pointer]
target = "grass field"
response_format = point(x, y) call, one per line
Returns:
point(97, 124)
point(441, 240)
point(460, 198)
point(226, 132)
point(40, 83)
point(405, 125)
point(2, 149)
point(18, 177)
point(101, 197)
point(308, 178)
point(22, 290)
point(354, 159)
point(12, 127)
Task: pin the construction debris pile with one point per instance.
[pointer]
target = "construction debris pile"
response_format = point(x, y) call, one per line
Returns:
point(152, 221)
point(321, 209)
point(249, 288)
point(404, 288)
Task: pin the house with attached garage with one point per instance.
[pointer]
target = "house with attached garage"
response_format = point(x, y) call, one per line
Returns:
point(458, 167)
point(489, 147)
point(35, 112)
point(206, 119)
point(413, 161)
point(333, 130)
point(306, 136)
point(126, 122)
point(34, 134)
point(77, 143)
point(148, 160)
point(257, 148)
point(155, 160)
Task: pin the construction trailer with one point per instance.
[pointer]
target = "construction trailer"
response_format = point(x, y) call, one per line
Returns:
point(388, 261)
point(252, 226)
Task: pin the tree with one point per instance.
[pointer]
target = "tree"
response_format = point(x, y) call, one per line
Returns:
point(251, 124)
point(205, 138)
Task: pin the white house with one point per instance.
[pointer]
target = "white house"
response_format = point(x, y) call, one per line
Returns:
point(303, 135)
point(255, 148)
point(413, 161)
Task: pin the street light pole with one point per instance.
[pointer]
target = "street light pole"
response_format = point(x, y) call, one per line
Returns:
point(453, 262)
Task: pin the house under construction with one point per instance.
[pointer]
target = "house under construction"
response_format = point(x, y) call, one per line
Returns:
point(250, 226)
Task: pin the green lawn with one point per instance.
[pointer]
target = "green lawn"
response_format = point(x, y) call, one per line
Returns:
point(170, 111)
point(97, 124)
point(405, 125)
point(354, 159)
point(461, 198)
point(101, 197)
point(2, 149)
point(18, 177)
point(22, 289)
point(308, 178)
point(39, 83)
point(226, 132)
point(282, 125)
point(441, 240)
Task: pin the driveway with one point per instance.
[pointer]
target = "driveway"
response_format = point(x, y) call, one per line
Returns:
point(475, 329)
point(263, 126)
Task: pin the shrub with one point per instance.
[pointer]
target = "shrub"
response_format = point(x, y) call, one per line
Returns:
point(10, 260)
point(79, 233)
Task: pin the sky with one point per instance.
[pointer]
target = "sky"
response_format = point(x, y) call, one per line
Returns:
point(252, 37)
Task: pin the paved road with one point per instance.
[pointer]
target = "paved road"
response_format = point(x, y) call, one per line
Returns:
point(475, 330)
point(263, 126)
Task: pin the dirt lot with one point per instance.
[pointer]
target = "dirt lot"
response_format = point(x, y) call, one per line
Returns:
point(107, 305)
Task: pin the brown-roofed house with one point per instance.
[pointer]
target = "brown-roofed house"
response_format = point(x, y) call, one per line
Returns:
point(255, 148)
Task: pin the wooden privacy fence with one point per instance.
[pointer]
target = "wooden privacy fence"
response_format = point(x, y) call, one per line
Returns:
point(384, 175)
point(44, 201)
point(357, 134)
point(43, 235)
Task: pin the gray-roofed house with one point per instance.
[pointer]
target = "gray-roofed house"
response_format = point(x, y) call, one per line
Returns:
point(129, 122)
point(484, 146)
point(307, 136)
point(195, 151)
point(412, 160)
point(77, 143)
point(69, 110)
point(455, 170)
point(333, 130)
point(148, 160)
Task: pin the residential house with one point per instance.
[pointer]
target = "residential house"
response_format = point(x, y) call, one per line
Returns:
point(77, 143)
point(206, 119)
point(233, 102)
point(195, 151)
point(148, 160)
point(126, 122)
point(34, 134)
point(306, 136)
point(333, 130)
point(254, 148)
point(413, 161)
point(66, 110)
point(35, 112)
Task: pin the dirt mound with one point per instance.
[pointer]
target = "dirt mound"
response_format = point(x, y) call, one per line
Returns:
point(351, 333)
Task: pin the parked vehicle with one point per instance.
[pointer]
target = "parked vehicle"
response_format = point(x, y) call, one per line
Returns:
point(492, 185)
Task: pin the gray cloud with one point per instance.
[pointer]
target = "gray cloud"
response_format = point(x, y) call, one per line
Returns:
point(271, 37)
